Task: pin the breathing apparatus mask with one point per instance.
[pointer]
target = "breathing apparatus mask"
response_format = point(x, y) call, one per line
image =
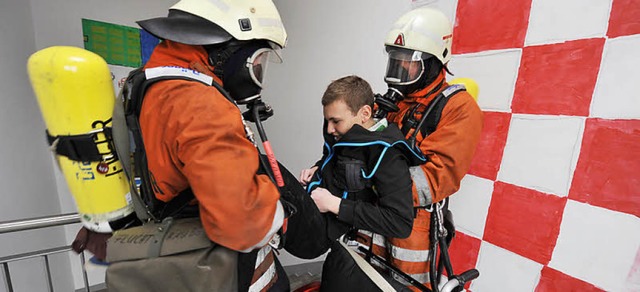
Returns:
point(242, 66)
point(407, 71)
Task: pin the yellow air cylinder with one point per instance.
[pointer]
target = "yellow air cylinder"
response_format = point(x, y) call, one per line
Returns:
point(76, 97)
point(470, 84)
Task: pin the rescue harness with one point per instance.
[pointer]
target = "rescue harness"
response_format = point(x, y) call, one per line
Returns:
point(355, 169)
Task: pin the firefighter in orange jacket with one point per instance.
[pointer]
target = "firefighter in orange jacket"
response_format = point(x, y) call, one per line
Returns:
point(419, 47)
point(195, 137)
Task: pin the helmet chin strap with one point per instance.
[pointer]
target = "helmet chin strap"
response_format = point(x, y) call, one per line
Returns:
point(219, 54)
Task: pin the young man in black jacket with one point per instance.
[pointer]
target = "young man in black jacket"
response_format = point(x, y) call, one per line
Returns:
point(362, 181)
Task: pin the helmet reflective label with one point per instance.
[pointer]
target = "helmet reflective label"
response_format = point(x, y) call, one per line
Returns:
point(399, 40)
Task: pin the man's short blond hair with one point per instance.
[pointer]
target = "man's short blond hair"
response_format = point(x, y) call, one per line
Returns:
point(353, 90)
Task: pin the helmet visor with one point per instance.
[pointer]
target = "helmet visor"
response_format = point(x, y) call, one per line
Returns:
point(404, 66)
point(257, 63)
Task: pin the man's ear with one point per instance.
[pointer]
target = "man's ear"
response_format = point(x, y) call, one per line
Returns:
point(366, 112)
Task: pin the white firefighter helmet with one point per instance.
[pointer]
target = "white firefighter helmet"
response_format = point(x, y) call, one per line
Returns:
point(206, 22)
point(425, 30)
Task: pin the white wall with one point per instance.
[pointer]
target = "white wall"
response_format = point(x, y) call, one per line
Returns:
point(26, 169)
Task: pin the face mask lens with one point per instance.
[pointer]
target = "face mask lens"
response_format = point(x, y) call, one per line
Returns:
point(258, 65)
point(404, 67)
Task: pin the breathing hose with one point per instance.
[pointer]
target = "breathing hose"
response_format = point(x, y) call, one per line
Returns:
point(273, 162)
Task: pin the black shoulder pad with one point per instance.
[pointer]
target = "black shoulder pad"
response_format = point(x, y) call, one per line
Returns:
point(133, 92)
point(433, 117)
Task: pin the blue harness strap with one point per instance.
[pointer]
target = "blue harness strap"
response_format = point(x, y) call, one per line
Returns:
point(361, 172)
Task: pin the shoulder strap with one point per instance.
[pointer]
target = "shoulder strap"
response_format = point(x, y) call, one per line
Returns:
point(433, 113)
point(430, 117)
point(123, 149)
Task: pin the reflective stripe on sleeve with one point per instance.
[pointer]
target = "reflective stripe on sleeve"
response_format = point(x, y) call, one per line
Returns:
point(422, 185)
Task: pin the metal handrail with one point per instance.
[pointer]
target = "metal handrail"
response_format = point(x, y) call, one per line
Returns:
point(36, 223)
point(33, 254)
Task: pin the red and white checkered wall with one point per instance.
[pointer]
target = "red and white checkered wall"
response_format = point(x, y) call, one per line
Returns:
point(552, 200)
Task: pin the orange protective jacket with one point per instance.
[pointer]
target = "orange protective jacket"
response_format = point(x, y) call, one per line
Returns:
point(194, 137)
point(449, 150)
point(451, 146)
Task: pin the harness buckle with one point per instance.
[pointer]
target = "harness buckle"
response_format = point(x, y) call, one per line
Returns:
point(439, 206)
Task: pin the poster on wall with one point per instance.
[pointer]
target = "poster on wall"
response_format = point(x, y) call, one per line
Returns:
point(122, 47)
point(117, 44)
